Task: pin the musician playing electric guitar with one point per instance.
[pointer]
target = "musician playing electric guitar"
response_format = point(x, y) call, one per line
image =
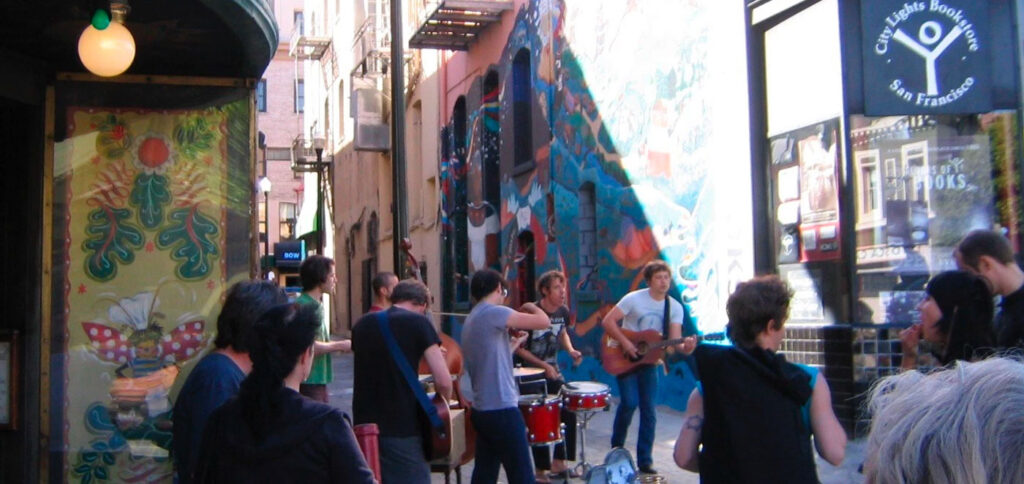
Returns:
point(644, 309)
point(381, 394)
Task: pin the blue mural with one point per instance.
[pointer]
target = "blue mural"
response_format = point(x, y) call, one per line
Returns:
point(632, 129)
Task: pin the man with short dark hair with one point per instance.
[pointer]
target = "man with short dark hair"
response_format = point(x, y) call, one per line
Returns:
point(216, 378)
point(642, 310)
point(988, 254)
point(487, 351)
point(383, 396)
point(318, 278)
point(382, 284)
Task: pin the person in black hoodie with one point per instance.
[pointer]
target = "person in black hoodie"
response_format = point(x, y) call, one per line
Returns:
point(271, 433)
point(754, 408)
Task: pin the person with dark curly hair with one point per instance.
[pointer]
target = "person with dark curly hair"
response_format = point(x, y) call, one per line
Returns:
point(217, 376)
point(271, 433)
point(318, 278)
point(754, 408)
point(956, 318)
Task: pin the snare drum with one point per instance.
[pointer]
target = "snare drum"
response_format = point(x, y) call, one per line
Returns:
point(581, 396)
point(543, 418)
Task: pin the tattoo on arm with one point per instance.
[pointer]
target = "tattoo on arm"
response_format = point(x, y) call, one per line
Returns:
point(694, 422)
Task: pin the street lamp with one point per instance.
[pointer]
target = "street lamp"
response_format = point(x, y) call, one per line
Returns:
point(264, 187)
point(317, 142)
point(318, 147)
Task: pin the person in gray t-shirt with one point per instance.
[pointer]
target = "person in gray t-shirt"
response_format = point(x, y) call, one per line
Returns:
point(641, 310)
point(487, 348)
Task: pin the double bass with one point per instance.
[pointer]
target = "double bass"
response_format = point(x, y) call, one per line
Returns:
point(452, 357)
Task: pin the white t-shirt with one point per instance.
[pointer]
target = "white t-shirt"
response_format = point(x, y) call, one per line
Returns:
point(642, 312)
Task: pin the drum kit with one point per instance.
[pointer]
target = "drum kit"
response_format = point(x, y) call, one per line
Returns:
point(542, 413)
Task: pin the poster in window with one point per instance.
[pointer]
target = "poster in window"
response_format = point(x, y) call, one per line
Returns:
point(150, 216)
point(806, 163)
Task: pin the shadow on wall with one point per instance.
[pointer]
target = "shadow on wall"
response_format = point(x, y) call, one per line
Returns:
point(616, 174)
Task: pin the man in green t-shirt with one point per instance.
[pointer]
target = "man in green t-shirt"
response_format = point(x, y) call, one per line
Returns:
point(317, 274)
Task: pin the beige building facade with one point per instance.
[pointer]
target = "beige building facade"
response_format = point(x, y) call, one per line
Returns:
point(346, 47)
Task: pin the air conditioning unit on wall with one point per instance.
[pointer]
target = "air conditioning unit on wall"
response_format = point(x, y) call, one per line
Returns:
point(372, 134)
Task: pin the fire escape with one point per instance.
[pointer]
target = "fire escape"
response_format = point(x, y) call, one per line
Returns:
point(455, 24)
point(308, 154)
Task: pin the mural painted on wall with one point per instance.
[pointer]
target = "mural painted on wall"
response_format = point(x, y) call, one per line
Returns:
point(143, 218)
point(621, 176)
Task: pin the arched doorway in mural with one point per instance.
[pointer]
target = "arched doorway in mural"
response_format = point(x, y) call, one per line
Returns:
point(459, 212)
point(525, 269)
point(587, 225)
point(522, 96)
point(491, 170)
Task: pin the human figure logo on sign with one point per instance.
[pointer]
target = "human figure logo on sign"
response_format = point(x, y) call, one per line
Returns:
point(927, 56)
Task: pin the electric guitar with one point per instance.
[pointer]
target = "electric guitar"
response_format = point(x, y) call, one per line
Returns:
point(649, 348)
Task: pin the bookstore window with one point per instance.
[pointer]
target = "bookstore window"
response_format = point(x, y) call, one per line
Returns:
point(923, 182)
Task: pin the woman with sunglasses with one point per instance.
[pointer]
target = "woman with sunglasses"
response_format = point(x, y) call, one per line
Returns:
point(487, 348)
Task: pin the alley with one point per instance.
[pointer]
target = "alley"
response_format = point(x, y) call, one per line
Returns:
point(599, 436)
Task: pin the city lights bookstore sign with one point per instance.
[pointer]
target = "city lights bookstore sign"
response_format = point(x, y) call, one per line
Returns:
point(926, 57)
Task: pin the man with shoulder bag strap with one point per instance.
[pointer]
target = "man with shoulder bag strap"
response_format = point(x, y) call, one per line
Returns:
point(382, 393)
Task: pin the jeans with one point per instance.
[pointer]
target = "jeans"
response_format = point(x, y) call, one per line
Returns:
point(402, 461)
point(501, 441)
point(637, 388)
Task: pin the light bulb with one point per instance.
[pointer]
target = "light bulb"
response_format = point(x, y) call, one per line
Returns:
point(106, 52)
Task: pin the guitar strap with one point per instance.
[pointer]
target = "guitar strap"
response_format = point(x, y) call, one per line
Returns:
point(664, 318)
point(403, 366)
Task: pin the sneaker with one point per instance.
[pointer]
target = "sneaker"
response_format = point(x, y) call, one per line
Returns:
point(648, 470)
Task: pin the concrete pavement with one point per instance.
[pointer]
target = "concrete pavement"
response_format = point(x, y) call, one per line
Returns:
point(599, 438)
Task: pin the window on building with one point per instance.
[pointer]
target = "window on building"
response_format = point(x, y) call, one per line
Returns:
point(458, 214)
point(262, 216)
point(327, 125)
point(287, 214)
point(922, 182)
point(300, 95)
point(522, 91)
point(869, 188)
point(298, 24)
point(261, 96)
point(342, 95)
point(491, 145)
point(587, 220)
point(372, 228)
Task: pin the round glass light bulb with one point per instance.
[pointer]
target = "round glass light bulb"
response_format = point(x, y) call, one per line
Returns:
point(106, 52)
point(264, 184)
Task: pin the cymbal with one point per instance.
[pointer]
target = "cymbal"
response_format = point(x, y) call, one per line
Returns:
point(526, 371)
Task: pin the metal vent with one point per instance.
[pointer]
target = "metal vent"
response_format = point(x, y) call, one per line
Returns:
point(372, 134)
point(373, 137)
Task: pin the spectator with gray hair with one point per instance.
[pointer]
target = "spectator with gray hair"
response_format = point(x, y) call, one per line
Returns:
point(958, 425)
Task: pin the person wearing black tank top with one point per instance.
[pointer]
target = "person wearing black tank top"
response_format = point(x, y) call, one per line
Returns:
point(753, 413)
